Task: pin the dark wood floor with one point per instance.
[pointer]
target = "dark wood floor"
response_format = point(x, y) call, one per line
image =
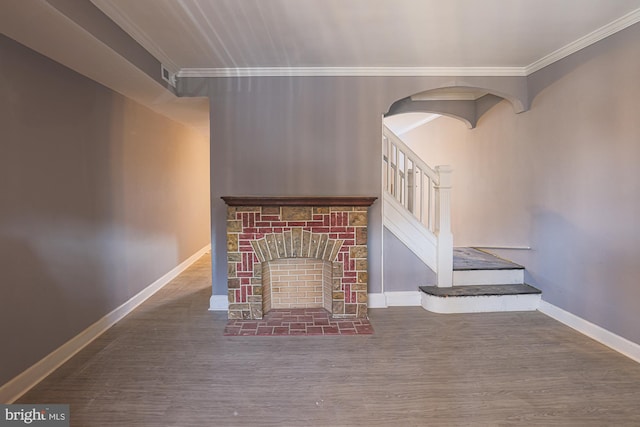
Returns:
point(168, 364)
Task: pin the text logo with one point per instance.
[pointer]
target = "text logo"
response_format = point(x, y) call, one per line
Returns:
point(34, 415)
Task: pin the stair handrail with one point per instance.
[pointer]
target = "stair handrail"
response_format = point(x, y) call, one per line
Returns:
point(423, 191)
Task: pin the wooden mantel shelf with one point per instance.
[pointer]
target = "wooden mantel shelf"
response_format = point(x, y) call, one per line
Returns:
point(297, 201)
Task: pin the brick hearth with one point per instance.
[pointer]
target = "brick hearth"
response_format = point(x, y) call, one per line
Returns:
point(299, 321)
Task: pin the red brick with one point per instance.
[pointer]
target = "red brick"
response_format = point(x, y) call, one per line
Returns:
point(320, 229)
point(293, 326)
point(314, 224)
point(249, 325)
point(364, 329)
point(245, 274)
point(330, 330)
point(315, 330)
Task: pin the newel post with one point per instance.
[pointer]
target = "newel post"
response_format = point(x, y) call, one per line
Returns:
point(443, 226)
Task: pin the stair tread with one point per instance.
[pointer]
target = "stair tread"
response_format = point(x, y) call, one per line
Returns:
point(465, 259)
point(480, 290)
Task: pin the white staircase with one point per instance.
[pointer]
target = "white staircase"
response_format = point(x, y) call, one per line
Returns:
point(416, 209)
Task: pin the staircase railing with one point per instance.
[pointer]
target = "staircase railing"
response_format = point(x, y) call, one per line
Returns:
point(426, 194)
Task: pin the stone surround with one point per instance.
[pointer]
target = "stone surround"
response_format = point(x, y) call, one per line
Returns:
point(260, 230)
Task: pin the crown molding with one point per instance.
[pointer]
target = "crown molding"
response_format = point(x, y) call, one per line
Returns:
point(613, 27)
point(351, 72)
point(115, 14)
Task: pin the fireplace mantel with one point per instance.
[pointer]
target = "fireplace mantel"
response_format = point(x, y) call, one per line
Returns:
point(298, 201)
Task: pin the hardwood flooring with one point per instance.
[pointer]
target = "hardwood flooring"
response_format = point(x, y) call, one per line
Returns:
point(168, 364)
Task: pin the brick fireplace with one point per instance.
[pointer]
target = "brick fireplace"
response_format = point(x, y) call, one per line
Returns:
point(264, 232)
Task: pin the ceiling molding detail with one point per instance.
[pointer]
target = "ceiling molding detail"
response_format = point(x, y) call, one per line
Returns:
point(116, 15)
point(351, 72)
point(591, 38)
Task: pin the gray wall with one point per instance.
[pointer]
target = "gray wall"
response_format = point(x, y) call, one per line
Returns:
point(306, 136)
point(403, 270)
point(100, 197)
point(562, 178)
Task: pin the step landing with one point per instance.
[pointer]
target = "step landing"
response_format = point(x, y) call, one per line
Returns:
point(482, 282)
point(480, 290)
point(475, 259)
point(475, 267)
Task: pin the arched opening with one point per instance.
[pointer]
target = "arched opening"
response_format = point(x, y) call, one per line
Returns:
point(464, 103)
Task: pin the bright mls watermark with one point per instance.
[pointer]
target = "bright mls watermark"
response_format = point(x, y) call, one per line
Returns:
point(34, 415)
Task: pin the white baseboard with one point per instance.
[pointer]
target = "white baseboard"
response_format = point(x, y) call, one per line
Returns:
point(394, 299)
point(376, 300)
point(20, 384)
point(403, 299)
point(603, 336)
point(219, 303)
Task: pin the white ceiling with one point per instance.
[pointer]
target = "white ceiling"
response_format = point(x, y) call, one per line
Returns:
point(231, 34)
point(315, 37)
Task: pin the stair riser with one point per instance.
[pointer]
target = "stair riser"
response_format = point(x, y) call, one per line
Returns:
point(480, 304)
point(488, 277)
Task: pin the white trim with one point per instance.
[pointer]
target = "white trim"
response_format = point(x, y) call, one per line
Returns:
point(410, 231)
point(480, 304)
point(377, 300)
point(219, 303)
point(394, 299)
point(591, 38)
point(403, 298)
point(20, 384)
point(352, 72)
point(603, 336)
point(488, 277)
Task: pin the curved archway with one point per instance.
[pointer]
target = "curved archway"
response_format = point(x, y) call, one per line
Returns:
point(462, 102)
